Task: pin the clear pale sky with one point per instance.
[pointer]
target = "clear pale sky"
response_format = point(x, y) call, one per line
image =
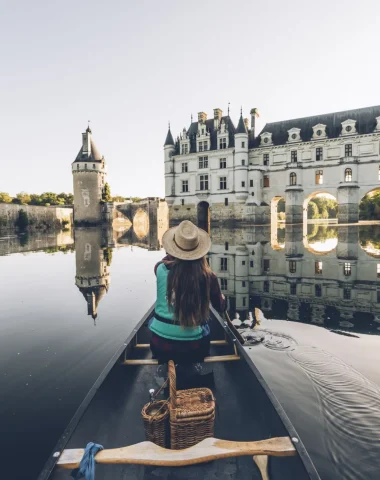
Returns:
point(130, 67)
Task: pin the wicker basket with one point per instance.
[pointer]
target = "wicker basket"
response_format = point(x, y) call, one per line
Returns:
point(155, 416)
point(192, 414)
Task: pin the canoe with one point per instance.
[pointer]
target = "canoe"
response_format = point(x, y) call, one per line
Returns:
point(249, 421)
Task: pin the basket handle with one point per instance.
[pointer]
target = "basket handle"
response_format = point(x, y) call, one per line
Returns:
point(172, 384)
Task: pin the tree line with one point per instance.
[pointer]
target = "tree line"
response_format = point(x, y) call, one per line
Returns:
point(49, 198)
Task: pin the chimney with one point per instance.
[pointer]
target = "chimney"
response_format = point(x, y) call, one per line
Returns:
point(253, 120)
point(86, 142)
point(246, 123)
point(202, 117)
point(217, 117)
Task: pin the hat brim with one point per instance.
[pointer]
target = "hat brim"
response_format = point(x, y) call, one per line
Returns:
point(172, 249)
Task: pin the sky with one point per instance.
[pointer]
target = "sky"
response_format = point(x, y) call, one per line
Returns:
point(131, 67)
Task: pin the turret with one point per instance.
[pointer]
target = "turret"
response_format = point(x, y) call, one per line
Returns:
point(241, 161)
point(89, 173)
point(169, 150)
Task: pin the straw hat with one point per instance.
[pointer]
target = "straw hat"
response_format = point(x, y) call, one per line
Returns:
point(186, 241)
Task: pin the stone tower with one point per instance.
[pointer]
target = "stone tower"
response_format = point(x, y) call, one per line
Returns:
point(93, 262)
point(89, 173)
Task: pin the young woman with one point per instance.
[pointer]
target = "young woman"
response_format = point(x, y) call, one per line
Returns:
point(185, 287)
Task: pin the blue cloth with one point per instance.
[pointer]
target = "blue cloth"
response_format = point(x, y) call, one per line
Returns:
point(87, 464)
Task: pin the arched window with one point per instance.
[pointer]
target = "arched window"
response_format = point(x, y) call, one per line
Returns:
point(293, 179)
point(348, 175)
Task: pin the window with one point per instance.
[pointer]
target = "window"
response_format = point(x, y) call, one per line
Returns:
point(226, 202)
point(251, 263)
point(184, 168)
point(226, 246)
point(244, 301)
point(222, 183)
point(77, 166)
point(318, 290)
point(293, 289)
point(347, 269)
point(266, 158)
point(348, 175)
point(318, 268)
point(222, 143)
point(223, 264)
point(319, 177)
point(251, 183)
point(93, 165)
point(242, 144)
point(243, 262)
point(223, 163)
point(266, 286)
point(182, 201)
point(200, 147)
point(292, 266)
point(185, 186)
point(223, 283)
point(319, 153)
point(266, 181)
point(293, 179)
point(243, 283)
point(243, 184)
point(378, 270)
point(85, 166)
point(266, 265)
point(347, 293)
point(348, 150)
point(203, 162)
point(293, 156)
point(203, 131)
point(185, 149)
point(203, 182)
point(243, 162)
point(205, 146)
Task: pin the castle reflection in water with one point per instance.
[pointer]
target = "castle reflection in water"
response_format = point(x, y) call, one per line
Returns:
point(328, 275)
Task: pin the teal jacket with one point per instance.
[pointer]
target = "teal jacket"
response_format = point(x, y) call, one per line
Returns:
point(167, 327)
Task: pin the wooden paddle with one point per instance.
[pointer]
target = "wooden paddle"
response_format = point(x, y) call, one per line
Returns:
point(147, 453)
point(234, 329)
point(262, 463)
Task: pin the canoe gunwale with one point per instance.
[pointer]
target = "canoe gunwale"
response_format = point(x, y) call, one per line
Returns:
point(121, 353)
point(65, 437)
point(299, 446)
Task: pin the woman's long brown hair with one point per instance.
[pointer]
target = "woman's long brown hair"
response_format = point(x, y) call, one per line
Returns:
point(188, 291)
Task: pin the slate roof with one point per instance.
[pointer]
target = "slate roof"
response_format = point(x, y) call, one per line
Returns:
point(241, 128)
point(365, 123)
point(95, 154)
point(169, 139)
point(193, 130)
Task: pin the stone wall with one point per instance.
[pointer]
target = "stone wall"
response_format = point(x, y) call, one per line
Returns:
point(219, 213)
point(178, 213)
point(40, 218)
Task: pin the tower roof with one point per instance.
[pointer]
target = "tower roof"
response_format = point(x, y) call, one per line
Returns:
point(241, 128)
point(169, 139)
point(93, 155)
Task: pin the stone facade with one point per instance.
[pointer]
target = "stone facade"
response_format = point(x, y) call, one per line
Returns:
point(221, 165)
point(36, 241)
point(40, 218)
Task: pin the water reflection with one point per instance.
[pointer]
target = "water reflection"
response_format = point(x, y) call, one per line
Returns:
point(329, 277)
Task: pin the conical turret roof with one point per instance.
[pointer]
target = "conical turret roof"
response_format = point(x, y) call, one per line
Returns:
point(241, 128)
point(169, 139)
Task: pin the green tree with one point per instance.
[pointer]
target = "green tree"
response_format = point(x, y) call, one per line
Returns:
point(22, 221)
point(369, 207)
point(312, 210)
point(5, 197)
point(23, 198)
point(118, 198)
point(106, 195)
point(281, 206)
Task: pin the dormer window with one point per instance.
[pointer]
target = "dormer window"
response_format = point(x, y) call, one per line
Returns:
point(378, 124)
point(222, 143)
point(185, 149)
point(319, 131)
point(349, 127)
point(266, 138)
point(294, 135)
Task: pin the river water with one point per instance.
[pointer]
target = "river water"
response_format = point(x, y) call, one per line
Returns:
point(66, 306)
